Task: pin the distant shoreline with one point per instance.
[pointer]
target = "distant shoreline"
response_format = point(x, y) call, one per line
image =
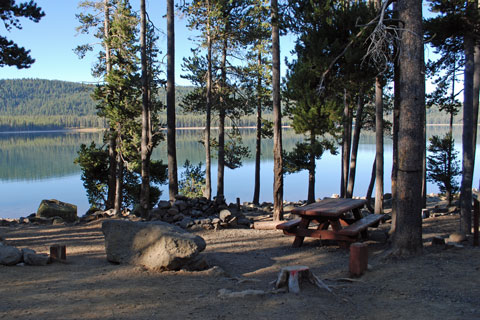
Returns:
point(87, 130)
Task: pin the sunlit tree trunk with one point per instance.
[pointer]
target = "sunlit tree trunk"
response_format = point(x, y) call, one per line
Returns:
point(119, 178)
point(171, 134)
point(408, 231)
point(378, 146)
point(207, 192)
point(277, 118)
point(145, 158)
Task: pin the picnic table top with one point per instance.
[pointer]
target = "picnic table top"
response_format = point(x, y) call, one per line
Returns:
point(329, 208)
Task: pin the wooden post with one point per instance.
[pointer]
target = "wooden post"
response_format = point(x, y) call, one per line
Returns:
point(238, 204)
point(476, 214)
point(358, 259)
point(58, 252)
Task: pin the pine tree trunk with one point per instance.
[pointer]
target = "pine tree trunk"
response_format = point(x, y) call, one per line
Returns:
point(207, 192)
point(112, 153)
point(119, 178)
point(346, 144)
point(396, 116)
point(356, 140)
point(277, 118)
point(370, 187)
point(378, 146)
point(221, 125)
point(476, 89)
point(258, 140)
point(145, 159)
point(171, 133)
point(311, 172)
point(408, 231)
point(467, 139)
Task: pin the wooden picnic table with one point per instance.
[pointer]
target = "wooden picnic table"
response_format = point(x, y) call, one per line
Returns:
point(338, 219)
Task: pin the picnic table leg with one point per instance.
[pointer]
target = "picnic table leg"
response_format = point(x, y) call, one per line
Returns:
point(299, 239)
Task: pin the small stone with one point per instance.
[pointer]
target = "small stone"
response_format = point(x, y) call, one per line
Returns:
point(173, 211)
point(233, 222)
point(164, 204)
point(438, 241)
point(180, 204)
point(457, 237)
point(216, 220)
point(225, 215)
point(178, 217)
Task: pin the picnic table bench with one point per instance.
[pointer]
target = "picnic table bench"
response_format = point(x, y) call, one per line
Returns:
point(337, 218)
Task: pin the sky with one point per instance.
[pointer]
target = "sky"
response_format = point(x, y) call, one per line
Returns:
point(53, 39)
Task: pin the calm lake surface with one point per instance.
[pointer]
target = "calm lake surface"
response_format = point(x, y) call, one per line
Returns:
point(36, 166)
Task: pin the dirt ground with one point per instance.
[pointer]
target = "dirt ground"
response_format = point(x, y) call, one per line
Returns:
point(440, 284)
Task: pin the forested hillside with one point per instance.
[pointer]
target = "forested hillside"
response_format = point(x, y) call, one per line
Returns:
point(35, 104)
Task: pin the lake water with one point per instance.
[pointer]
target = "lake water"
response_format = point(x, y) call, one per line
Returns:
point(36, 166)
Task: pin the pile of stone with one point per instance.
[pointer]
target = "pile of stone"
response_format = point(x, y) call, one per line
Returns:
point(10, 256)
point(200, 213)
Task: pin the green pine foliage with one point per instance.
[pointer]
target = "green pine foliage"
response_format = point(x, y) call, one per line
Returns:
point(443, 166)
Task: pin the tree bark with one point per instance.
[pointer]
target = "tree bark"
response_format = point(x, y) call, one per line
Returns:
point(112, 153)
point(467, 139)
point(144, 153)
point(171, 133)
point(476, 88)
point(221, 124)
point(119, 178)
point(378, 146)
point(346, 144)
point(370, 187)
point(207, 192)
point(258, 140)
point(396, 116)
point(408, 231)
point(356, 140)
point(277, 118)
point(311, 171)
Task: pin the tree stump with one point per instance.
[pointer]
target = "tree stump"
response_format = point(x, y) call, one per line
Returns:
point(291, 276)
point(58, 253)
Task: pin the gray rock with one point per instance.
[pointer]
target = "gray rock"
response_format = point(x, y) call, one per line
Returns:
point(180, 204)
point(30, 257)
point(55, 208)
point(57, 221)
point(186, 222)
point(10, 256)
point(196, 213)
point(457, 237)
point(164, 204)
point(178, 217)
point(225, 215)
point(153, 245)
point(244, 221)
point(173, 211)
point(438, 241)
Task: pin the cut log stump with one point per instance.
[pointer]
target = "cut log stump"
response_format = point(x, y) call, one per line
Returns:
point(291, 277)
point(58, 253)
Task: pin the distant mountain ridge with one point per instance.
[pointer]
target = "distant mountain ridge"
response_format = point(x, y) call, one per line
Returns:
point(38, 104)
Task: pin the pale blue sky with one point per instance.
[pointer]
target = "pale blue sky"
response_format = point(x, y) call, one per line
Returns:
point(53, 39)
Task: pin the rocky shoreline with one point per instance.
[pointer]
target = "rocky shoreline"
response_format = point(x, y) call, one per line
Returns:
point(201, 213)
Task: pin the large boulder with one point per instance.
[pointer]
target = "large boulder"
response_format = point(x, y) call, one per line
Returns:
point(154, 245)
point(55, 208)
point(10, 256)
point(32, 258)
